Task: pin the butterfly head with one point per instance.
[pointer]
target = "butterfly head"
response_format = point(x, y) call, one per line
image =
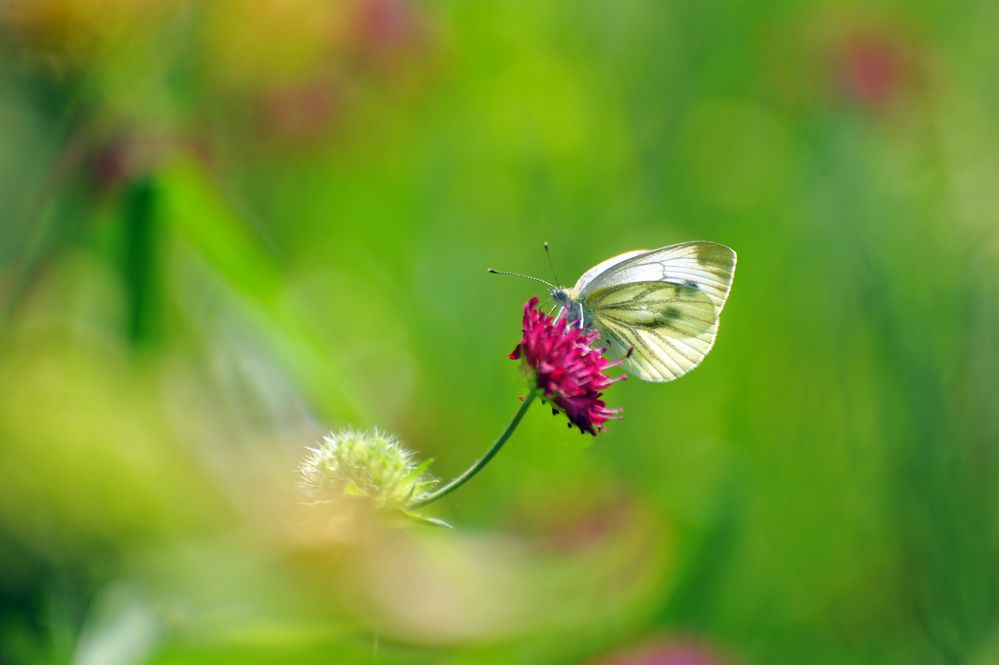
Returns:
point(564, 297)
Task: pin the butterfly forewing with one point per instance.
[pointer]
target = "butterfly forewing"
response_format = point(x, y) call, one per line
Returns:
point(604, 266)
point(706, 265)
point(661, 307)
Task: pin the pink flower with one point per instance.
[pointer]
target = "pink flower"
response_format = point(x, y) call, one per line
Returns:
point(566, 369)
point(875, 67)
point(665, 652)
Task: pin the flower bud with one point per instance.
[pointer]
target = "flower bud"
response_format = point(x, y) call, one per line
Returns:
point(370, 466)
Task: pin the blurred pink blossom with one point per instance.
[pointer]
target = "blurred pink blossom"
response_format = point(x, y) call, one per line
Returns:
point(665, 651)
point(873, 67)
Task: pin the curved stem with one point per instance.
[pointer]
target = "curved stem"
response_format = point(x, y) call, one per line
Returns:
point(470, 472)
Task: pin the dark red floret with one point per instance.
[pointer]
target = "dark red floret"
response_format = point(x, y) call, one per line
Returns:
point(566, 368)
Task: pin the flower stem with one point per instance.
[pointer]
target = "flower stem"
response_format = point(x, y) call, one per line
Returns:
point(480, 463)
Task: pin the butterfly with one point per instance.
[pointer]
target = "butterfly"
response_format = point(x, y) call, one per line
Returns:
point(658, 310)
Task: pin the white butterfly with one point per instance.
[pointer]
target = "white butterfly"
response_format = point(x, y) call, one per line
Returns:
point(658, 309)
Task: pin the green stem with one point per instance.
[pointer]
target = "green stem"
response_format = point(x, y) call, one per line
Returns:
point(470, 472)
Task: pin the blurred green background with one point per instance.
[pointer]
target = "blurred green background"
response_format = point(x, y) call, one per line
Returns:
point(228, 227)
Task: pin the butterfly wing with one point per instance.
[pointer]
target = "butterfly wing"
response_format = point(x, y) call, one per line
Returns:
point(604, 266)
point(662, 306)
point(707, 265)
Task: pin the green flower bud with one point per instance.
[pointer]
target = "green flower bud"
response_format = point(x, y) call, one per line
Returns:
point(369, 466)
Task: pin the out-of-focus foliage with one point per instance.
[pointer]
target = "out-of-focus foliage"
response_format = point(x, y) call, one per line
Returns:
point(227, 227)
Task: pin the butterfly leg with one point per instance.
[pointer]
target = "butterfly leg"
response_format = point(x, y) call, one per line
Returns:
point(580, 316)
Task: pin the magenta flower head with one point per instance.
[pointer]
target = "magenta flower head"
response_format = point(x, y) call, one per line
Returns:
point(566, 369)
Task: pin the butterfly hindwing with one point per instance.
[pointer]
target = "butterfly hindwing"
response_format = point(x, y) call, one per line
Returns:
point(665, 329)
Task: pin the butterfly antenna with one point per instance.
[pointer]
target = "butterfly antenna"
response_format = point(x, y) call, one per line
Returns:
point(522, 276)
point(551, 264)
